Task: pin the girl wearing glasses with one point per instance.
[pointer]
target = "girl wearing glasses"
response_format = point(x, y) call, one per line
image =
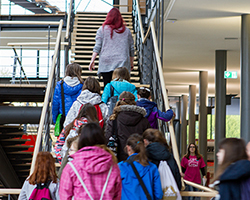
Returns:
point(192, 163)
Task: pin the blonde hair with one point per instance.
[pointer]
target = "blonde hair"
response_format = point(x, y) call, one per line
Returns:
point(126, 98)
point(121, 73)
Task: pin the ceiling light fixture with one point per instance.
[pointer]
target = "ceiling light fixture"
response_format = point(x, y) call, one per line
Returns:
point(231, 38)
point(171, 20)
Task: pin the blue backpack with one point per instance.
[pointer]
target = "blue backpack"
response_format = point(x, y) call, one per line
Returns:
point(41, 192)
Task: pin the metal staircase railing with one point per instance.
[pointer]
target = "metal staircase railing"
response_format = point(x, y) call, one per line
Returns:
point(151, 69)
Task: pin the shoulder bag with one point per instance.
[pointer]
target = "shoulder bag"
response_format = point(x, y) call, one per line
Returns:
point(111, 101)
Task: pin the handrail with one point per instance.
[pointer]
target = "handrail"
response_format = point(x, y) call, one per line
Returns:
point(30, 22)
point(10, 191)
point(46, 98)
point(140, 21)
point(68, 20)
point(210, 192)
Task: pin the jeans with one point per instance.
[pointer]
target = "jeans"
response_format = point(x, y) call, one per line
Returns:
point(191, 188)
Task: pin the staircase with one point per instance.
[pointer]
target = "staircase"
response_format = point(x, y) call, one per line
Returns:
point(83, 40)
point(16, 146)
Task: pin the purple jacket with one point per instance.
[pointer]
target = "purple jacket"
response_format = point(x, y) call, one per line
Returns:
point(93, 164)
point(153, 113)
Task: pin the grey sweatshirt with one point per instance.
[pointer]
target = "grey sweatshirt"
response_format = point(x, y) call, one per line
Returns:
point(113, 52)
point(27, 189)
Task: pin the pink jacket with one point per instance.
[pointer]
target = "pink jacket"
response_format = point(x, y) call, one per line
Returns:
point(93, 164)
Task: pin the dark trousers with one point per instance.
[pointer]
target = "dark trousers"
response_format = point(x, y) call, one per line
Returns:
point(107, 77)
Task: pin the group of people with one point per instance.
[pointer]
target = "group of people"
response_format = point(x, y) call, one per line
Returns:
point(89, 169)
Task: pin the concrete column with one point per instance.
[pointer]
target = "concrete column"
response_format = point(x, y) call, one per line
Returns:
point(184, 104)
point(191, 122)
point(220, 98)
point(245, 78)
point(203, 83)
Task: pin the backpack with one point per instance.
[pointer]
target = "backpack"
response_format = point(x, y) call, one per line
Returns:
point(41, 192)
point(99, 115)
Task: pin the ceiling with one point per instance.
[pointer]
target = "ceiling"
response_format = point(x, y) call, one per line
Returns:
point(190, 43)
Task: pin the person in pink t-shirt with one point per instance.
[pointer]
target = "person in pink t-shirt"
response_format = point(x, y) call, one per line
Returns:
point(191, 163)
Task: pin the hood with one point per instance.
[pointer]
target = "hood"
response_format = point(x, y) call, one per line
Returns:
point(71, 81)
point(121, 86)
point(147, 104)
point(130, 114)
point(71, 90)
point(237, 170)
point(88, 97)
point(93, 160)
point(126, 167)
point(158, 151)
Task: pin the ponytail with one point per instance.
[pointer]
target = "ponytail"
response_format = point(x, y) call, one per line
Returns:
point(135, 141)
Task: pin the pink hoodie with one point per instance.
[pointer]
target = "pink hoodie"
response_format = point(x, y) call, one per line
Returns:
point(93, 164)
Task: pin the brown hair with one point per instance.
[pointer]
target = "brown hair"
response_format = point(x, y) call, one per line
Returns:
point(197, 154)
point(121, 73)
point(154, 135)
point(92, 85)
point(74, 70)
point(91, 135)
point(88, 111)
point(44, 169)
point(104, 147)
point(235, 150)
point(135, 141)
point(72, 140)
point(126, 98)
point(144, 92)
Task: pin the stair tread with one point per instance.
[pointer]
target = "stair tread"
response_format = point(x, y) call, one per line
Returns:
point(20, 152)
point(10, 140)
point(96, 19)
point(19, 146)
point(12, 133)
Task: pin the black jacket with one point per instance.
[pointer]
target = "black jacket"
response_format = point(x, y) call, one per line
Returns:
point(157, 152)
point(231, 179)
point(130, 120)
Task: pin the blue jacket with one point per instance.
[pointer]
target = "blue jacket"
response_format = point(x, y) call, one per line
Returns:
point(153, 113)
point(119, 87)
point(231, 179)
point(70, 95)
point(131, 188)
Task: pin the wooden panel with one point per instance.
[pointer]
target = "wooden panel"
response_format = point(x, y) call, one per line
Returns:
point(142, 4)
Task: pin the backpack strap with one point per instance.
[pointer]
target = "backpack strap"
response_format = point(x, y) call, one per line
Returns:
point(130, 161)
point(84, 186)
point(111, 90)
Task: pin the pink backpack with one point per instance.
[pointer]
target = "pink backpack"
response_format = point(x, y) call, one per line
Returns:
point(41, 192)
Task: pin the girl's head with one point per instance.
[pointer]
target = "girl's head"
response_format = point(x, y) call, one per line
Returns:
point(121, 73)
point(87, 111)
point(126, 98)
point(193, 149)
point(154, 135)
point(135, 145)
point(230, 151)
point(91, 135)
point(144, 92)
point(115, 21)
point(72, 144)
point(92, 85)
point(74, 70)
point(44, 169)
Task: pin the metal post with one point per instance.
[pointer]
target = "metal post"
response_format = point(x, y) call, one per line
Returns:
point(14, 69)
point(21, 55)
point(37, 63)
point(184, 104)
point(203, 83)
point(158, 25)
point(178, 125)
point(220, 98)
point(192, 103)
point(58, 61)
point(162, 29)
point(48, 51)
point(245, 78)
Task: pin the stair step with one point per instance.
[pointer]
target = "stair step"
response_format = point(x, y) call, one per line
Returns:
point(86, 67)
point(95, 26)
point(94, 72)
point(102, 13)
point(88, 61)
point(78, 22)
point(78, 15)
point(20, 153)
point(96, 19)
point(13, 141)
point(90, 56)
point(11, 135)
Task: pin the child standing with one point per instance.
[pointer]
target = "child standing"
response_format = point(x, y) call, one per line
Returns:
point(131, 187)
point(151, 107)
